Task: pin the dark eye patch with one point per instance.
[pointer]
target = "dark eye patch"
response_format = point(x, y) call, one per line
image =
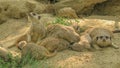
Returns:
point(34, 14)
point(97, 38)
point(101, 37)
point(106, 37)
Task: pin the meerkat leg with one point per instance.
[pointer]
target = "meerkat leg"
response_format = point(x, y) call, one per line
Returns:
point(28, 37)
point(95, 46)
point(114, 46)
point(38, 40)
point(48, 55)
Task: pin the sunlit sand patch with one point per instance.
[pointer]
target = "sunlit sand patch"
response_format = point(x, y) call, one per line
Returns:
point(74, 61)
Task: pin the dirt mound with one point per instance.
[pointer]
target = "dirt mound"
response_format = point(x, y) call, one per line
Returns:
point(110, 7)
point(12, 30)
point(67, 12)
point(80, 6)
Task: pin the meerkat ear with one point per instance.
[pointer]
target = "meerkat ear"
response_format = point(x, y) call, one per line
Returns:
point(21, 44)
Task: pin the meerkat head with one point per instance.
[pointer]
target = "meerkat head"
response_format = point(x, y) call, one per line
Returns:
point(103, 40)
point(21, 44)
point(35, 15)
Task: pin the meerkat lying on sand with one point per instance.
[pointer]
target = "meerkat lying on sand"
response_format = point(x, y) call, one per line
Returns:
point(35, 51)
point(95, 37)
point(101, 37)
point(54, 44)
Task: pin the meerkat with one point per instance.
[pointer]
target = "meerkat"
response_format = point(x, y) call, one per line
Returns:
point(5, 54)
point(84, 44)
point(35, 51)
point(54, 44)
point(50, 43)
point(94, 38)
point(38, 30)
point(62, 32)
point(101, 37)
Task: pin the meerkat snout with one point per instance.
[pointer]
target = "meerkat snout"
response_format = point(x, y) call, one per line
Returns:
point(21, 44)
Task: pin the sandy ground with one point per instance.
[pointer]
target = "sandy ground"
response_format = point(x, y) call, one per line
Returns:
point(105, 58)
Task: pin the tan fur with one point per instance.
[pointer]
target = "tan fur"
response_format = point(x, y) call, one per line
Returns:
point(35, 51)
point(38, 30)
point(63, 32)
point(4, 54)
point(54, 44)
point(84, 44)
point(101, 37)
point(76, 28)
point(80, 29)
point(67, 12)
point(21, 44)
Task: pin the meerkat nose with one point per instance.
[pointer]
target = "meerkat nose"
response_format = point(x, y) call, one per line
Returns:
point(104, 40)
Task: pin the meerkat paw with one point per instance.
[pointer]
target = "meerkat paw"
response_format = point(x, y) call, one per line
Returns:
point(115, 46)
point(96, 47)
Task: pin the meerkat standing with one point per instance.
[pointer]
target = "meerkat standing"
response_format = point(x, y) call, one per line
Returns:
point(35, 51)
point(38, 30)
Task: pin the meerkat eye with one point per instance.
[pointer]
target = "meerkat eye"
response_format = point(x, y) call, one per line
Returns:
point(97, 38)
point(106, 37)
point(101, 37)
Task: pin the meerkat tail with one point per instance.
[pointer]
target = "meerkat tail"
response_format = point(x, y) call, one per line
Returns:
point(51, 54)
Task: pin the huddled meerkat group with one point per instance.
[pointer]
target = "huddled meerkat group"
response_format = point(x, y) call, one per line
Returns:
point(53, 38)
point(45, 41)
